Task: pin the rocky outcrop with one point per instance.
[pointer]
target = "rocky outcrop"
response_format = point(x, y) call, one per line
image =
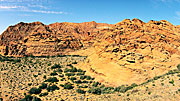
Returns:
point(133, 51)
point(38, 39)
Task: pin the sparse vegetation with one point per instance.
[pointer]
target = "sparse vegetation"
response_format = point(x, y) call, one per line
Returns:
point(35, 90)
point(52, 79)
point(75, 79)
point(52, 88)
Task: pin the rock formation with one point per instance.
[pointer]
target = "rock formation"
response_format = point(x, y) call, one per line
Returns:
point(130, 51)
point(38, 39)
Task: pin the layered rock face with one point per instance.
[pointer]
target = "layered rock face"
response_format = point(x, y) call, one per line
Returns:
point(38, 39)
point(130, 51)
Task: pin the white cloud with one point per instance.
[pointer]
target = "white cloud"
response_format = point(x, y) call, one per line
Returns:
point(45, 12)
point(10, 7)
point(34, 6)
point(38, 6)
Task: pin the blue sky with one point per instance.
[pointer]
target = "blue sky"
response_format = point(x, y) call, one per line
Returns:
point(106, 11)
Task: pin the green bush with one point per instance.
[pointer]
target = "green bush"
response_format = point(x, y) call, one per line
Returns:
point(84, 81)
point(78, 81)
point(70, 65)
point(68, 86)
point(172, 81)
point(35, 90)
point(73, 69)
point(61, 85)
point(52, 88)
point(72, 78)
point(53, 73)
point(89, 78)
point(59, 70)
point(80, 73)
point(44, 76)
point(53, 79)
point(80, 70)
point(69, 74)
point(55, 66)
point(178, 67)
point(82, 77)
point(43, 94)
point(95, 91)
point(95, 84)
point(43, 86)
point(61, 75)
point(85, 86)
point(121, 89)
point(81, 91)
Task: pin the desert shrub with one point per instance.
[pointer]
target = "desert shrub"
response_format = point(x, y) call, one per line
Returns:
point(70, 65)
point(43, 94)
point(121, 89)
point(157, 77)
point(35, 90)
point(172, 81)
point(78, 81)
point(82, 77)
point(80, 73)
point(170, 72)
point(85, 86)
point(53, 73)
point(69, 74)
point(72, 78)
point(73, 69)
point(17, 60)
point(59, 70)
point(74, 62)
point(35, 76)
point(95, 84)
point(62, 79)
point(134, 85)
point(55, 66)
point(80, 91)
point(52, 88)
point(107, 90)
point(178, 67)
point(84, 81)
point(53, 79)
point(44, 76)
point(61, 75)
point(89, 78)
point(61, 85)
point(66, 70)
point(68, 86)
point(29, 84)
point(95, 91)
point(43, 86)
point(80, 70)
